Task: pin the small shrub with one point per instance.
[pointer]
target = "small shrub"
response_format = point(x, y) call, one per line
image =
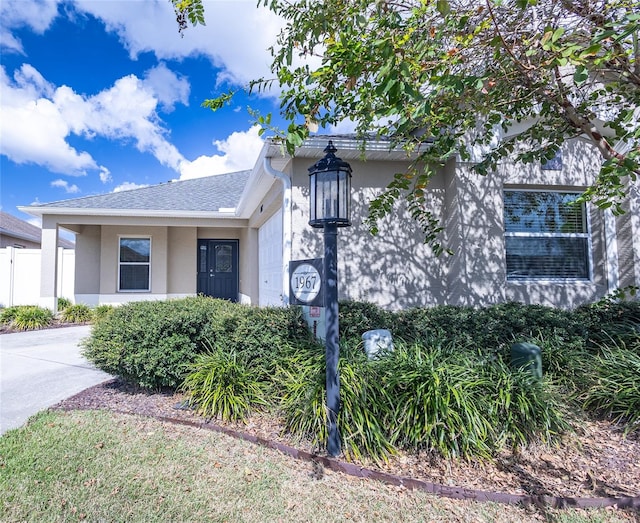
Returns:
point(79, 313)
point(365, 408)
point(612, 389)
point(355, 318)
point(63, 303)
point(608, 321)
point(101, 312)
point(300, 378)
point(8, 314)
point(441, 403)
point(31, 317)
point(221, 385)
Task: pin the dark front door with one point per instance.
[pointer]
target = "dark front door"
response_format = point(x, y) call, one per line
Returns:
point(218, 268)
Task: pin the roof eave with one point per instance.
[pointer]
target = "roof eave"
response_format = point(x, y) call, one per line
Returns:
point(157, 213)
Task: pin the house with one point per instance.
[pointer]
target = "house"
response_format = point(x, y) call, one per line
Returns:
point(17, 233)
point(516, 235)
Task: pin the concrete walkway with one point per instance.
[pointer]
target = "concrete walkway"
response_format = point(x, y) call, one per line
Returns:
point(40, 368)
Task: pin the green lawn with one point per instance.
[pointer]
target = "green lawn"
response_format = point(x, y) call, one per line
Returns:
point(100, 466)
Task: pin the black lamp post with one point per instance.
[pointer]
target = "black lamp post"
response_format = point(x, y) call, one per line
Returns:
point(330, 188)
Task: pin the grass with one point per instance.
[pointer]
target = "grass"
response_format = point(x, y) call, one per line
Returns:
point(100, 466)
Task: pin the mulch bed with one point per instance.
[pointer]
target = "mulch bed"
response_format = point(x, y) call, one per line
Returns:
point(596, 462)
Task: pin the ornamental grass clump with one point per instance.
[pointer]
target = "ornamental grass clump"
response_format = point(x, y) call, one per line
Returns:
point(441, 403)
point(78, 313)
point(31, 317)
point(612, 390)
point(221, 384)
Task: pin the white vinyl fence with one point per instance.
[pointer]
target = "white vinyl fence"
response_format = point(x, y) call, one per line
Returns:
point(20, 275)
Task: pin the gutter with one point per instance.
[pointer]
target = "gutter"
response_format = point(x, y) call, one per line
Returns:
point(286, 225)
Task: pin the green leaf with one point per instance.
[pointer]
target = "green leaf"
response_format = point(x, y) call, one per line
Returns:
point(581, 74)
point(443, 7)
point(557, 34)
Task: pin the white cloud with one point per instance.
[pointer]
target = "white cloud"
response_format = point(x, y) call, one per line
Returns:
point(63, 184)
point(105, 175)
point(37, 119)
point(35, 14)
point(236, 38)
point(32, 130)
point(127, 186)
point(347, 126)
point(240, 151)
point(167, 87)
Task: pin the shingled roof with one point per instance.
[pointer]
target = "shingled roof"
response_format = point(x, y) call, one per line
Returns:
point(211, 193)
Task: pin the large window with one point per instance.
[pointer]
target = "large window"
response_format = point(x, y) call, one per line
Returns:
point(134, 264)
point(546, 236)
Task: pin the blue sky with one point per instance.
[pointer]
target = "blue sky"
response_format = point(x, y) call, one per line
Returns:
point(103, 95)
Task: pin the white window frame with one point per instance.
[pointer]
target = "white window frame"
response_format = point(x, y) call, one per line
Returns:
point(120, 263)
point(521, 234)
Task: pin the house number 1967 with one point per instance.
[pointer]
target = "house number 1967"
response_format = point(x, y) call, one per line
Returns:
point(305, 282)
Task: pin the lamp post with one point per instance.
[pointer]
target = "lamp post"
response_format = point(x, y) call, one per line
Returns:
point(330, 188)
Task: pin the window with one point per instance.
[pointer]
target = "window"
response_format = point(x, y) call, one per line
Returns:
point(134, 264)
point(546, 236)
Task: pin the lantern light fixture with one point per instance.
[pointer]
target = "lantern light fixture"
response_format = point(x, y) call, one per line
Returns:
point(330, 190)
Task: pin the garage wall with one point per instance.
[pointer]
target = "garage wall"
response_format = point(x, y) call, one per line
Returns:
point(270, 261)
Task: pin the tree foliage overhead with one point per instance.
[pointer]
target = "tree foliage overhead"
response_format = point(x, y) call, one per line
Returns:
point(510, 78)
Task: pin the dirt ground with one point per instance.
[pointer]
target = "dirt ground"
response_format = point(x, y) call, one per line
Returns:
point(597, 461)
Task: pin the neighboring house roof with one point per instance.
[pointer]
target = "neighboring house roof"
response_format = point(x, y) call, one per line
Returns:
point(14, 227)
point(218, 194)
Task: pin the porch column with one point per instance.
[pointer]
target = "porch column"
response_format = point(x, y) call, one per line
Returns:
point(49, 264)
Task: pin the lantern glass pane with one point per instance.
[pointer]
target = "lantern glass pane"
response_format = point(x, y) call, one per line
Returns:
point(312, 197)
point(328, 194)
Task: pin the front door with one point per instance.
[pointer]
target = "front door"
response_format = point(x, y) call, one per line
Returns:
point(218, 268)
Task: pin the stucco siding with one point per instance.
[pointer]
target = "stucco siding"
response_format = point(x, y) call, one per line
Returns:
point(182, 259)
point(394, 269)
point(88, 260)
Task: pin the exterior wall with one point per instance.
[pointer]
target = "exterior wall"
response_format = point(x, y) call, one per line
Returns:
point(394, 268)
point(87, 286)
point(182, 260)
point(20, 275)
point(475, 223)
point(109, 242)
point(628, 240)
point(580, 166)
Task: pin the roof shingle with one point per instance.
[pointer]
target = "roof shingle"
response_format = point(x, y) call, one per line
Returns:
point(211, 193)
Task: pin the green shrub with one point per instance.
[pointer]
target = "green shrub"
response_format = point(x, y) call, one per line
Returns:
point(31, 317)
point(300, 380)
point(441, 403)
point(492, 329)
point(355, 318)
point(152, 343)
point(63, 303)
point(220, 384)
point(366, 409)
point(8, 314)
point(78, 313)
point(102, 311)
point(612, 387)
point(608, 321)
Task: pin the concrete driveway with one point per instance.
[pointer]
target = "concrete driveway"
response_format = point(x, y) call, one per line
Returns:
point(41, 368)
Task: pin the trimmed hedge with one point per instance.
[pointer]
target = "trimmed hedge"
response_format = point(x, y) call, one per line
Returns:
point(152, 343)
